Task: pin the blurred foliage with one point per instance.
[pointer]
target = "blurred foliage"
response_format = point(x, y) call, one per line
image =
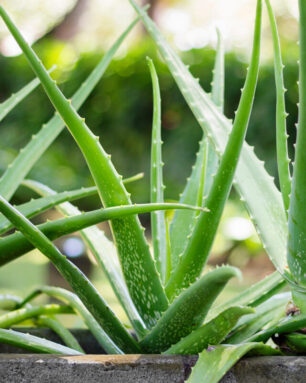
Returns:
point(120, 112)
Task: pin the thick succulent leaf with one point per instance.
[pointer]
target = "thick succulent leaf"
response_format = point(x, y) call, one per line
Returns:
point(197, 251)
point(188, 311)
point(297, 212)
point(183, 222)
point(34, 343)
point(75, 302)
point(296, 342)
point(105, 254)
point(252, 296)
point(14, 317)
point(200, 180)
point(213, 332)
point(9, 104)
point(25, 160)
point(254, 184)
point(39, 205)
point(281, 129)
point(66, 336)
point(138, 266)
point(214, 362)
point(158, 223)
point(15, 245)
point(287, 325)
point(9, 302)
point(77, 280)
point(271, 310)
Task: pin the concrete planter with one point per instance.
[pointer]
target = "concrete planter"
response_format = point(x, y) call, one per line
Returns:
point(28, 368)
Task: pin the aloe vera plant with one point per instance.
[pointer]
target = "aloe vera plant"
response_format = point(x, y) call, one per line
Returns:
point(169, 302)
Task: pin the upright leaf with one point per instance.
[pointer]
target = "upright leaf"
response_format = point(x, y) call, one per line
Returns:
point(199, 183)
point(255, 186)
point(281, 129)
point(297, 212)
point(25, 160)
point(158, 223)
point(138, 266)
point(200, 243)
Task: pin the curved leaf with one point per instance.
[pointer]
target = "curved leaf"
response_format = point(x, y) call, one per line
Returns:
point(188, 311)
point(212, 332)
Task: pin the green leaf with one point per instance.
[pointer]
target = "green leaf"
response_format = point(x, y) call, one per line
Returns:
point(212, 332)
point(271, 310)
point(9, 104)
point(214, 362)
point(39, 205)
point(66, 336)
point(297, 213)
point(105, 254)
point(14, 317)
point(289, 324)
point(77, 280)
point(34, 343)
point(254, 295)
point(23, 163)
point(255, 186)
point(15, 245)
point(73, 301)
point(197, 251)
point(188, 311)
point(281, 129)
point(199, 183)
point(158, 223)
point(138, 266)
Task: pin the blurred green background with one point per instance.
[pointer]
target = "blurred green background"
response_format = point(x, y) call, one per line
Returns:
point(120, 112)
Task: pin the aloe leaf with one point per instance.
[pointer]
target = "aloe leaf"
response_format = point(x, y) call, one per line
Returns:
point(9, 302)
point(212, 332)
point(158, 223)
point(25, 160)
point(9, 104)
point(77, 280)
point(252, 296)
point(199, 183)
point(13, 317)
point(66, 336)
point(287, 325)
point(214, 362)
point(271, 310)
point(188, 311)
point(297, 212)
point(15, 245)
point(34, 343)
point(39, 205)
point(296, 342)
point(283, 160)
point(75, 302)
point(105, 254)
point(199, 245)
point(138, 266)
point(254, 184)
